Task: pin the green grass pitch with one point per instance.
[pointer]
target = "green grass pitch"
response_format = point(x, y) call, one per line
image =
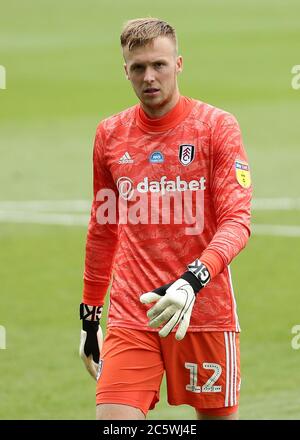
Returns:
point(64, 72)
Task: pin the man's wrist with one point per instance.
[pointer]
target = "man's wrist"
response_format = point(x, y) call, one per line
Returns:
point(197, 275)
point(90, 313)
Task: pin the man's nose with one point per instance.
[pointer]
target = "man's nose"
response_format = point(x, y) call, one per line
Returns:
point(149, 75)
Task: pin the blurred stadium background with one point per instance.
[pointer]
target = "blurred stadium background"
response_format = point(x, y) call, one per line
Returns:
point(64, 74)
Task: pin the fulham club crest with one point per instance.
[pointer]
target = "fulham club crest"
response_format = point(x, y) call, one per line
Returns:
point(186, 153)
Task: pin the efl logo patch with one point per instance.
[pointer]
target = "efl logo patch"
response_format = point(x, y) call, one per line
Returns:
point(156, 157)
point(186, 153)
point(242, 173)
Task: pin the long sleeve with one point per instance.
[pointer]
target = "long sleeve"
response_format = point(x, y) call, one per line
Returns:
point(231, 192)
point(102, 239)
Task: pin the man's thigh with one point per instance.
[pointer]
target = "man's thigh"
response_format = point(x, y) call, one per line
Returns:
point(203, 370)
point(131, 369)
point(205, 416)
point(110, 411)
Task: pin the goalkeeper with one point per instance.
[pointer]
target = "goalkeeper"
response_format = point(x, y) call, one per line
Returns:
point(172, 308)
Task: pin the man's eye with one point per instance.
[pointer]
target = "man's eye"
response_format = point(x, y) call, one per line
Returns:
point(137, 67)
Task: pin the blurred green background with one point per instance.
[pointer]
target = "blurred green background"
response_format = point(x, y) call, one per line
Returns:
point(64, 73)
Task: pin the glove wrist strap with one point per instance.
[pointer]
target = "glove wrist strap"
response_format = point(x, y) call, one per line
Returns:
point(197, 275)
point(192, 280)
point(90, 313)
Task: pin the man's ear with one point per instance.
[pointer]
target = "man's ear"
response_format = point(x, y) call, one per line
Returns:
point(179, 63)
point(126, 71)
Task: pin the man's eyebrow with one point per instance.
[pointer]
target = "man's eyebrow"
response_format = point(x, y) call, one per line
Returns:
point(140, 63)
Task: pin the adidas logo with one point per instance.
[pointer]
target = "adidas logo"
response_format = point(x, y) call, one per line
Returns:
point(126, 158)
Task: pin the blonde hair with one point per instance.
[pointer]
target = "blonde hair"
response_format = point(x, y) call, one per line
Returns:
point(141, 31)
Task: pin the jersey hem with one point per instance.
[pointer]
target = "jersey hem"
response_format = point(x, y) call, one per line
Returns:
point(120, 324)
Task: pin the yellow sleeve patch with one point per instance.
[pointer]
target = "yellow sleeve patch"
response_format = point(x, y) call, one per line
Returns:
point(242, 173)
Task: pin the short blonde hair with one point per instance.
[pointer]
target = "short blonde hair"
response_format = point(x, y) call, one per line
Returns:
point(141, 31)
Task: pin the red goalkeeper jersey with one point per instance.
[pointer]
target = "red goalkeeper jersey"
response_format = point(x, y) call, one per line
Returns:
point(166, 192)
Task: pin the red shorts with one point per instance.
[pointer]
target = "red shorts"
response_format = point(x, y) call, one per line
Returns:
point(202, 370)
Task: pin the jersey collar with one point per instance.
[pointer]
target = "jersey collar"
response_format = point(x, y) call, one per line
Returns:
point(166, 122)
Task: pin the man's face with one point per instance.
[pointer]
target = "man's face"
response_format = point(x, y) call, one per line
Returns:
point(153, 70)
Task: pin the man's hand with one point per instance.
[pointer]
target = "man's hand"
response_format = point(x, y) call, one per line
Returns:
point(91, 337)
point(175, 301)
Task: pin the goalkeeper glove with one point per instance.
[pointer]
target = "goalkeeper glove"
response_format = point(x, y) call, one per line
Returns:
point(91, 337)
point(175, 300)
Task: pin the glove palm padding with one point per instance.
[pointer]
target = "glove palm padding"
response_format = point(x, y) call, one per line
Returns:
point(174, 308)
point(91, 340)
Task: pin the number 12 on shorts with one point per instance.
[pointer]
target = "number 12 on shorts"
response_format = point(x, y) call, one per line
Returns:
point(209, 386)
